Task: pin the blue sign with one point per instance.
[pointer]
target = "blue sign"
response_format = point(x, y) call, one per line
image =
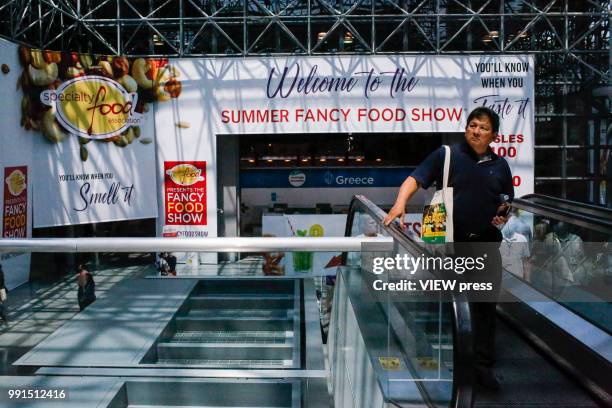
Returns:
point(326, 178)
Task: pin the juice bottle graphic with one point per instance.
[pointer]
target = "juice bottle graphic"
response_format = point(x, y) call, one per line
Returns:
point(302, 261)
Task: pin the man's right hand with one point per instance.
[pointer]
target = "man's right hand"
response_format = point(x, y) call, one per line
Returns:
point(397, 211)
point(407, 189)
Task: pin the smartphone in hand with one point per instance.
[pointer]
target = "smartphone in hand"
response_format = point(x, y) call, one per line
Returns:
point(503, 211)
point(504, 205)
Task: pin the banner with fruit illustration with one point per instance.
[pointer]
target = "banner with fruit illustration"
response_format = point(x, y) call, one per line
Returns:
point(305, 262)
point(92, 123)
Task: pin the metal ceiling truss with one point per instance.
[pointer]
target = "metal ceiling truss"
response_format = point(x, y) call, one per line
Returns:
point(577, 29)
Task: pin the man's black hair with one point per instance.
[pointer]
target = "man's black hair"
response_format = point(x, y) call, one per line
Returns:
point(489, 113)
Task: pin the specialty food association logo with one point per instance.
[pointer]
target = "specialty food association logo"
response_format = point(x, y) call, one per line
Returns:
point(16, 182)
point(185, 174)
point(297, 178)
point(93, 106)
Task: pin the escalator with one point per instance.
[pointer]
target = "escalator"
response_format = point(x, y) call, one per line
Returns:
point(553, 347)
point(567, 315)
point(576, 210)
point(243, 339)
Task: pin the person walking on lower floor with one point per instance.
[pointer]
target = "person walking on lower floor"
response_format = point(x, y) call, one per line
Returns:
point(86, 287)
point(3, 297)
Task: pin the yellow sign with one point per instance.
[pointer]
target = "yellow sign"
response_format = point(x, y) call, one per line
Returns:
point(428, 363)
point(93, 106)
point(16, 182)
point(185, 174)
point(390, 363)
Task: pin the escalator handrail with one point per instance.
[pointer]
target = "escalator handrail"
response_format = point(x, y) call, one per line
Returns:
point(575, 218)
point(569, 205)
point(565, 201)
point(463, 353)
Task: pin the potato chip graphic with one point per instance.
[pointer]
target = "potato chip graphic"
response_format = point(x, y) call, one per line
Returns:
point(16, 182)
point(185, 174)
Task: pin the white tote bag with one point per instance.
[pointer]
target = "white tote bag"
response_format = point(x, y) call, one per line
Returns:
point(437, 226)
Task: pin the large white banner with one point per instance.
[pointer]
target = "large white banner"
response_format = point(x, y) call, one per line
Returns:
point(16, 153)
point(364, 94)
point(113, 184)
point(86, 133)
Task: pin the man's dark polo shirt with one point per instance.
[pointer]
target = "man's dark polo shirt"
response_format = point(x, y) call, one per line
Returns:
point(476, 187)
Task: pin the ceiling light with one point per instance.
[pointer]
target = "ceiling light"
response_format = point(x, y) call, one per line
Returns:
point(378, 159)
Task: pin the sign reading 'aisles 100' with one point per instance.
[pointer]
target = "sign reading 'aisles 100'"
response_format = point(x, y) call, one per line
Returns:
point(93, 106)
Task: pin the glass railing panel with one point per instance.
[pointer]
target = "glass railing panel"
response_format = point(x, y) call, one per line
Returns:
point(565, 260)
point(365, 225)
point(420, 319)
point(419, 353)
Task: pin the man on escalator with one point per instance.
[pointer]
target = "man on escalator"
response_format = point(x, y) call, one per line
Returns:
point(478, 177)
